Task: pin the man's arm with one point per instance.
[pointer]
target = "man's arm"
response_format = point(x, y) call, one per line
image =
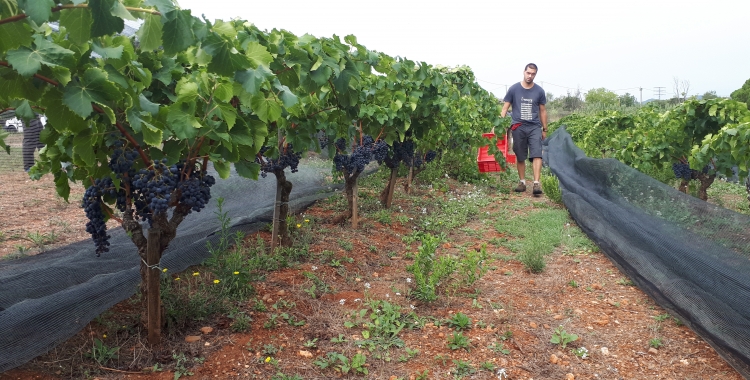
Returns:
point(505, 109)
point(543, 119)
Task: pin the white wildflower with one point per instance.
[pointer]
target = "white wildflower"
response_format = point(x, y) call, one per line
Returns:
point(367, 285)
point(341, 301)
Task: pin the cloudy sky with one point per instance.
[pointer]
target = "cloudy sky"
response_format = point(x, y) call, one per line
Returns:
point(618, 45)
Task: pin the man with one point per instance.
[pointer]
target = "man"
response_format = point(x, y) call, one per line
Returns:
point(31, 141)
point(528, 125)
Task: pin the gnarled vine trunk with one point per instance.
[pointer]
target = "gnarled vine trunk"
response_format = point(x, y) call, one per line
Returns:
point(280, 233)
point(706, 181)
point(386, 196)
point(350, 190)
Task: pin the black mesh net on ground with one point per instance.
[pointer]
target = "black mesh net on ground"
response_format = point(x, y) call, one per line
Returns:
point(47, 298)
point(688, 255)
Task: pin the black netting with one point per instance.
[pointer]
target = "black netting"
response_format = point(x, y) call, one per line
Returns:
point(47, 298)
point(688, 255)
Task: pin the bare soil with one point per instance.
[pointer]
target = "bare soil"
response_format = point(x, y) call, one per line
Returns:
point(513, 311)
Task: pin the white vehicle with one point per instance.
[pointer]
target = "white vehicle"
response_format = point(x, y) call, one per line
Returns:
point(14, 125)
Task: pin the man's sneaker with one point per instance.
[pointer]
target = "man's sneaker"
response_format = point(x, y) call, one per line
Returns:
point(537, 189)
point(521, 187)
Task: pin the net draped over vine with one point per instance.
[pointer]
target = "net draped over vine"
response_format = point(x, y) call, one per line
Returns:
point(688, 255)
point(47, 298)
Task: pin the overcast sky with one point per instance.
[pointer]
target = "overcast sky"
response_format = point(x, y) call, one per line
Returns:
point(618, 45)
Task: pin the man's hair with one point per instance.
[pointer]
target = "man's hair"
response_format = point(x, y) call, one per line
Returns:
point(532, 65)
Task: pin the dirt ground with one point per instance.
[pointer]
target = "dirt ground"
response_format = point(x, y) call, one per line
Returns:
point(514, 313)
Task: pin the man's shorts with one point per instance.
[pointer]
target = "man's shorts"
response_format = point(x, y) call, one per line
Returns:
point(527, 142)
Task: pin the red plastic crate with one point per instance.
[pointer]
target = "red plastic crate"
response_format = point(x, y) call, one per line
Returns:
point(486, 162)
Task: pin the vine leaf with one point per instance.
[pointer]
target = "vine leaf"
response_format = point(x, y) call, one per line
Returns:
point(38, 10)
point(93, 87)
point(27, 61)
point(104, 23)
point(178, 32)
point(224, 61)
point(258, 54)
point(267, 109)
point(252, 79)
point(13, 35)
point(77, 23)
point(150, 33)
point(164, 6)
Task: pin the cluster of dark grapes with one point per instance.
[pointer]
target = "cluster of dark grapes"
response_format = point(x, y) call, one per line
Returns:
point(322, 140)
point(421, 159)
point(92, 205)
point(683, 171)
point(153, 191)
point(288, 158)
point(369, 150)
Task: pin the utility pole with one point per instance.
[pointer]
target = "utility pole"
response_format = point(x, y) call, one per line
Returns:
point(641, 90)
point(659, 91)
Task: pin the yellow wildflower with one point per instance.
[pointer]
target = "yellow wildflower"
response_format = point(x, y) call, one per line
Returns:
point(195, 273)
point(268, 359)
point(104, 336)
point(164, 270)
point(307, 220)
point(177, 279)
point(217, 281)
point(236, 273)
point(299, 225)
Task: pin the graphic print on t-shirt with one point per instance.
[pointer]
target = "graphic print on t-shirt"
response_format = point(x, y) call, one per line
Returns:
point(526, 104)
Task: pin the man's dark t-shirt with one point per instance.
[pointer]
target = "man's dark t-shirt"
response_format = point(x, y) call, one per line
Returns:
point(525, 103)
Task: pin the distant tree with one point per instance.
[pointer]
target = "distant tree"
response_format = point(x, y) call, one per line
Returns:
point(601, 96)
point(742, 94)
point(681, 88)
point(550, 97)
point(708, 95)
point(627, 100)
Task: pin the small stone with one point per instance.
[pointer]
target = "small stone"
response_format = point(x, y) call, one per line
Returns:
point(206, 344)
point(375, 274)
point(565, 363)
point(305, 354)
point(533, 325)
point(531, 282)
point(605, 351)
point(653, 351)
point(546, 326)
point(441, 335)
point(207, 330)
point(281, 292)
point(596, 286)
point(602, 322)
point(393, 377)
point(570, 376)
point(553, 359)
point(192, 338)
point(558, 317)
point(684, 362)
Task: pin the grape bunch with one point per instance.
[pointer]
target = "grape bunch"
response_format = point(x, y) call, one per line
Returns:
point(682, 171)
point(92, 205)
point(152, 190)
point(322, 140)
point(370, 150)
point(288, 158)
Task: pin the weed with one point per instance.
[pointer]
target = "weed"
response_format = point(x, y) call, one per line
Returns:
point(573, 283)
point(320, 285)
point(429, 271)
point(476, 304)
point(271, 323)
point(270, 350)
point(241, 321)
point(312, 343)
point(580, 352)
point(473, 266)
point(181, 365)
point(282, 376)
point(458, 341)
point(423, 375)
point(661, 317)
point(655, 342)
point(460, 321)
point(499, 348)
point(551, 187)
point(346, 245)
point(339, 339)
point(562, 338)
point(463, 368)
point(488, 366)
point(102, 353)
point(383, 216)
point(442, 358)
point(625, 282)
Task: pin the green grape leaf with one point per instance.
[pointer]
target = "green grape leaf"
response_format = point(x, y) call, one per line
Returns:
point(38, 11)
point(267, 109)
point(78, 24)
point(82, 143)
point(61, 118)
point(93, 87)
point(182, 121)
point(224, 61)
point(228, 113)
point(187, 90)
point(258, 54)
point(14, 35)
point(62, 184)
point(151, 134)
point(107, 52)
point(178, 32)
point(147, 105)
point(150, 33)
point(118, 9)
point(286, 95)
point(224, 92)
point(252, 79)
point(164, 6)
point(225, 29)
point(104, 23)
point(222, 167)
point(27, 61)
point(241, 134)
point(247, 169)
